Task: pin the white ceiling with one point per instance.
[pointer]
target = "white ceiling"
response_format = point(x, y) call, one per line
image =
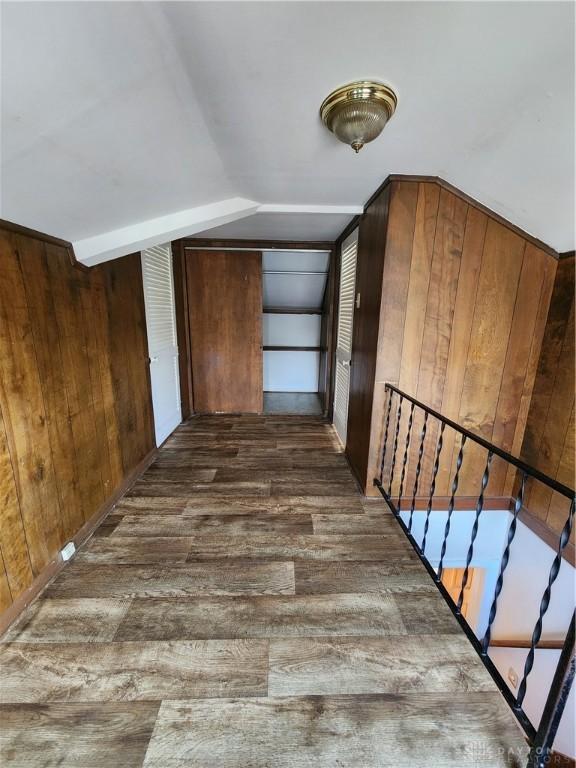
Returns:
point(284, 226)
point(115, 114)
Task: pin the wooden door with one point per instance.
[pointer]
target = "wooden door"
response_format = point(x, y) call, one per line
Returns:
point(452, 580)
point(225, 312)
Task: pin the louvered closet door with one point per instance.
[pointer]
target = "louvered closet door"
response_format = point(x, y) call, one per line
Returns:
point(162, 342)
point(344, 336)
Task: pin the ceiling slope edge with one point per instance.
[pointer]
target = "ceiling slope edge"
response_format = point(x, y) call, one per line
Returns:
point(121, 242)
point(334, 210)
point(145, 234)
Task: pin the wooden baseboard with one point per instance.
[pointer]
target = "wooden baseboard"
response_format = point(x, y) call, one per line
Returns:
point(526, 642)
point(491, 503)
point(461, 503)
point(50, 571)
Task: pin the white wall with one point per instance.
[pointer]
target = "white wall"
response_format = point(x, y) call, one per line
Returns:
point(298, 287)
point(298, 261)
point(539, 683)
point(524, 583)
point(525, 580)
point(291, 371)
point(488, 548)
point(291, 330)
point(293, 290)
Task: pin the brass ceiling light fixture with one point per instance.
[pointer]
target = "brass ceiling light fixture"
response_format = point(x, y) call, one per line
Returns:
point(357, 113)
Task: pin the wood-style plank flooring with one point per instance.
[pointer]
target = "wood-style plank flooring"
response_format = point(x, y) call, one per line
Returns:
point(244, 607)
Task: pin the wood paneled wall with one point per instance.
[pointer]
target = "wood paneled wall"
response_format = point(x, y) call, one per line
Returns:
point(183, 330)
point(460, 321)
point(549, 437)
point(75, 404)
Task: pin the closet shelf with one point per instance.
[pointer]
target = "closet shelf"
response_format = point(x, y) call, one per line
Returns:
point(291, 349)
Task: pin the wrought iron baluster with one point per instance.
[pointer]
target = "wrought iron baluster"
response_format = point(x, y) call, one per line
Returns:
point(395, 445)
point(504, 563)
point(544, 603)
point(385, 443)
point(433, 483)
point(541, 739)
point(479, 508)
point(418, 468)
point(555, 703)
point(451, 503)
point(405, 459)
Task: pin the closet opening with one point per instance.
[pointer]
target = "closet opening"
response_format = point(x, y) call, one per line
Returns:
point(256, 326)
point(294, 329)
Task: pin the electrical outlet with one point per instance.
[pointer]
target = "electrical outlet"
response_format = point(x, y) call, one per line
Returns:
point(67, 551)
point(513, 677)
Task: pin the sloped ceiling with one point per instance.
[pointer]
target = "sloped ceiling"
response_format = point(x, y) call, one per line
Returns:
point(116, 116)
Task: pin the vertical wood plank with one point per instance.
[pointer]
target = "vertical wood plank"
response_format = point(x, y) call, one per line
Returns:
point(550, 357)
point(51, 369)
point(420, 266)
point(96, 362)
point(363, 412)
point(419, 281)
point(13, 544)
point(5, 594)
point(495, 300)
point(396, 280)
point(559, 506)
point(125, 406)
point(102, 351)
point(61, 441)
point(536, 349)
point(445, 269)
point(129, 358)
point(522, 331)
point(544, 423)
point(440, 302)
point(394, 307)
point(475, 232)
point(471, 261)
point(182, 329)
point(22, 404)
point(555, 432)
point(68, 289)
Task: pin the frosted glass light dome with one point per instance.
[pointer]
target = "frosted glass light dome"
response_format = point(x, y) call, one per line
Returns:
point(357, 113)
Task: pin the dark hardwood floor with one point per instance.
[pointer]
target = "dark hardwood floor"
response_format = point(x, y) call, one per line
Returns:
point(245, 607)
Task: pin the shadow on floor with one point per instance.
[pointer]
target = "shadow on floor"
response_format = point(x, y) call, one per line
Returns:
point(303, 403)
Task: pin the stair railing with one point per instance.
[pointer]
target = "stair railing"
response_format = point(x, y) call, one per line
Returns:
point(399, 453)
